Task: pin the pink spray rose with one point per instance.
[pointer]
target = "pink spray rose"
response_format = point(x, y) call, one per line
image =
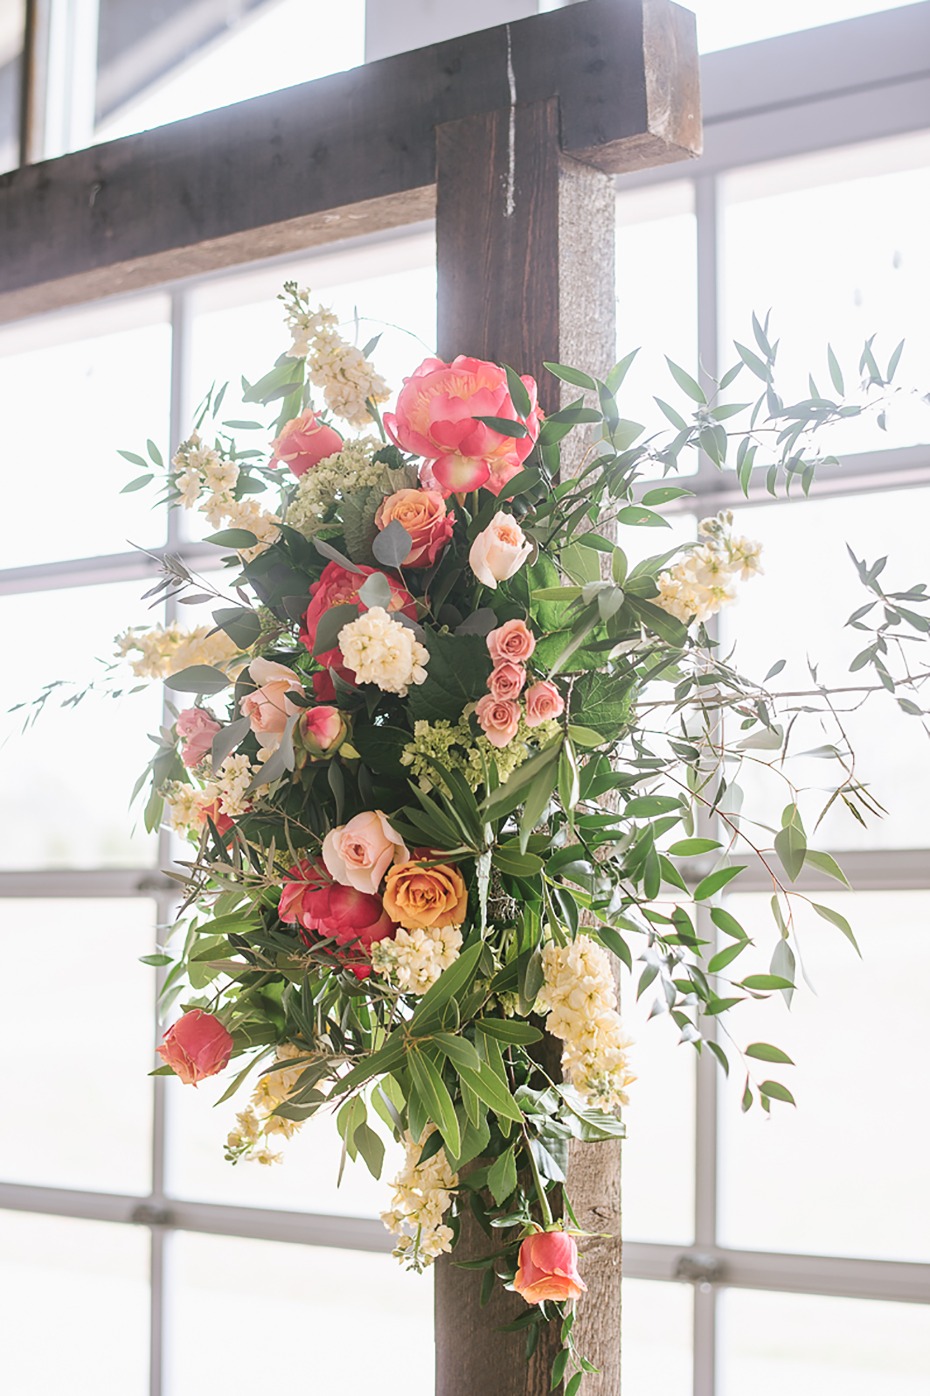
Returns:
point(321, 730)
point(423, 514)
point(543, 701)
point(196, 1046)
point(498, 719)
point(359, 853)
point(322, 908)
point(547, 1268)
point(512, 641)
point(303, 442)
point(196, 728)
point(269, 707)
point(499, 551)
point(507, 680)
point(436, 419)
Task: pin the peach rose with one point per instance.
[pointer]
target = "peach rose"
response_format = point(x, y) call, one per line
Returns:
point(498, 719)
point(543, 701)
point(269, 707)
point(196, 1046)
point(547, 1268)
point(359, 853)
point(436, 419)
point(499, 551)
point(196, 729)
point(512, 641)
point(303, 442)
point(423, 514)
point(321, 730)
point(506, 680)
point(419, 897)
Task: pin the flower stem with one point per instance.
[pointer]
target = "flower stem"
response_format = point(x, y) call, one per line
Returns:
point(537, 1181)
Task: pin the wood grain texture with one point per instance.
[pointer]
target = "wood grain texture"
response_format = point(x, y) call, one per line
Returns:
point(267, 175)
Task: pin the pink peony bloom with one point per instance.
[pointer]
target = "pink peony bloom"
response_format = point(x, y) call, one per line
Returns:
point(337, 587)
point(359, 853)
point(499, 551)
point(498, 719)
point(196, 1046)
point(303, 442)
point(513, 640)
point(543, 701)
point(322, 908)
point(321, 730)
point(547, 1268)
point(507, 680)
point(196, 728)
point(436, 419)
point(269, 707)
point(423, 514)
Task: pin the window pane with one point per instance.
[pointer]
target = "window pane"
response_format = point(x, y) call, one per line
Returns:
point(835, 244)
point(159, 63)
point(809, 1345)
point(723, 24)
point(656, 1338)
point(845, 1173)
point(372, 1322)
point(109, 375)
point(798, 610)
point(11, 43)
point(75, 1313)
point(67, 779)
point(90, 1124)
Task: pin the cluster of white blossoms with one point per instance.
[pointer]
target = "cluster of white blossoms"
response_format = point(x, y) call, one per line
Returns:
point(208, 480)
point(413, 960)
point(222, 793)
point(580, 997)
point(384, 652)
point(163, 650)
point(348, 379)
point(258, 1123)
point(696, 588)
point(422, 1195)
point(349, 471)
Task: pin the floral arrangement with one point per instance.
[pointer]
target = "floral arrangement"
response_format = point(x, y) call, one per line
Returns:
point(445, 759)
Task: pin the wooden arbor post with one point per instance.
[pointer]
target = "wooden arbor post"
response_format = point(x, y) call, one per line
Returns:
point(525, 229)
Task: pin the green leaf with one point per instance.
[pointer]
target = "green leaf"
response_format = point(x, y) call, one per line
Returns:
point(791, 848)
point(691, 848)
point(198, 678)
point(646, 806)
point(615, 942)
point(392, 545)
point(517, 389)
point(233, 538)
point(558, 1368)
point(506, 426)
point(605, 703)
point(508, 859)
point(459, 1050)
point(776, 1091)
point(727, 923)
point(715, 880)
point(134, 459)
point(502, 1177)
point(139, 483)
point(723, 957)
point(826, 864)
point(452, 982)
point(637, 516)
point(241, 624)
point(764, 982)
point(155, 454)
point(434, 1093)
point(573, 376)
point(155, 960)
point(489, 1087)
point(509, 1030)
point(838, 920)
point(685, 382)
point(664, 493)
point(371, 1147)
point(765, 1052)
point(457, 674)
point(836, 374)
point(574, 1384)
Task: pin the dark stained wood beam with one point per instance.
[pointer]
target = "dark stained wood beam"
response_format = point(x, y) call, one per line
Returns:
point(347, 154)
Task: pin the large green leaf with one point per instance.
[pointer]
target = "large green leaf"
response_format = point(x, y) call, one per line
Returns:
point(604, 703)
point(457, 674)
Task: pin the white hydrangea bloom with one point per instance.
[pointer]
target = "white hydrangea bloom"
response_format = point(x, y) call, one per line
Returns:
point(580, 997)
point(381, 651)
point(705, 580)
point(422, 1194)
point(414, 960)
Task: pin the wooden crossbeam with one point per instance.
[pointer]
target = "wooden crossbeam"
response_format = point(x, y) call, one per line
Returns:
point(344, 155)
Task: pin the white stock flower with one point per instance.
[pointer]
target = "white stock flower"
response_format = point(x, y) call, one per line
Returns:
point(422, 1194)
point(580, 997)
point(384, 652)
point(696, 588)
point(414, 960)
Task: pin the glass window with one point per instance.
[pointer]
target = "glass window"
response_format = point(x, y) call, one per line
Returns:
point(723, 24)
point(372, 1320)
point(845, 1173)
point(11, 45)
point(810, 1345)
point(84, 1121)
point(656, 1338)
point(75, 1311)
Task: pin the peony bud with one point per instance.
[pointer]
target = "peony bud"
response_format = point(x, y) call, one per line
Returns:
point(303, 442)
point(320, 731)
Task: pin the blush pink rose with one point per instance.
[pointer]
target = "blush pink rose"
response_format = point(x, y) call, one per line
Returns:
point(436, 417)
point(507, 680)
point(512, 641)
point(423, 514)
point(196, 729)
point(547, 1268)
point(338, 586)
point(498, 719)
point(327, 909)
point(269, 707)
point(499, 551)
point(196, 1046)
point(543, 702)
point(321, 730)
point(303, 442)
point(359, 853)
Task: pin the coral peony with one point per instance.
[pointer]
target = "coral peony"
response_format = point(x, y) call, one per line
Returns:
point(196, 1046)
point(303, 442)
point(547, 1268)
point(323, 908)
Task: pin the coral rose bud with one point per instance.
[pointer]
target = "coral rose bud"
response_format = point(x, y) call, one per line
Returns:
point(359, 853)
point(196, 1046)
point(420, 898)
point(196, 729)
point(543, 702)
point(547, 1268)
point(499, 551)
point(321, 730)
point(512, 641)
point(498, 719)
point(303, 442)
point(507, 680)
point(423, 514)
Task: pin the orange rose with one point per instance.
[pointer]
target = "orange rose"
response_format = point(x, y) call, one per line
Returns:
point(423, 514)
point(419, 897)
point(547, 1268)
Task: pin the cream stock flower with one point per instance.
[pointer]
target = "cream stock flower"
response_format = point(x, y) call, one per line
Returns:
point(381, 651)
point(580, 997)
point(421, 1197)
point(413, 960)
point(705, 580)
